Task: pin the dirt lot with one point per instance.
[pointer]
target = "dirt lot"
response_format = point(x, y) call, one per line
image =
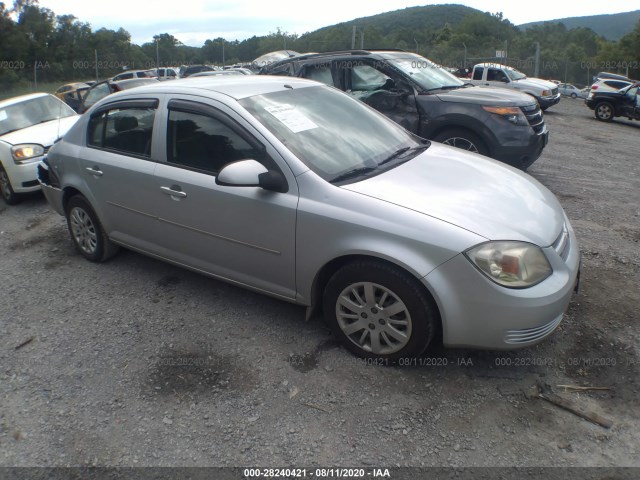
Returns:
point(138, 363)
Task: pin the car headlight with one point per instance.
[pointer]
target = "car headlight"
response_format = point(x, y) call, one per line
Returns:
point(513, 114)
point(25, 152)
point(545, 93)
point(511, 264)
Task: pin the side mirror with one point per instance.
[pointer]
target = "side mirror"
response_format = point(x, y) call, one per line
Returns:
point(249, 173)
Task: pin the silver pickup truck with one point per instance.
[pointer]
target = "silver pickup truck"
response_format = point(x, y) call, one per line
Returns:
point(496, 75)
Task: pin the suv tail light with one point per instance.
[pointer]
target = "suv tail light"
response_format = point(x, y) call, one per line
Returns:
point(595, 87)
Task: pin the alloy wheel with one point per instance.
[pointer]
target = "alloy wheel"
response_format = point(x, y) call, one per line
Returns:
point(462, 143)
point(83, 230)
point(374, 318)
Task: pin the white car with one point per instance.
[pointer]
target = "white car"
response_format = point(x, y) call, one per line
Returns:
point(572, 91)
point(607, 85)
point(29, 125)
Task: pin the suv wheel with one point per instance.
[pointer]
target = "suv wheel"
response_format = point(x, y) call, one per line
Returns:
point(604, 111)
point(463, 139)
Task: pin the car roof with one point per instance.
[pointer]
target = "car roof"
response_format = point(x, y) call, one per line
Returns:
point(21, 98)
point(234, 86)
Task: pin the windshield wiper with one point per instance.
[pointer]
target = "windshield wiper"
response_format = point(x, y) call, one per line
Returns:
point(402, 151)
point(352, 173)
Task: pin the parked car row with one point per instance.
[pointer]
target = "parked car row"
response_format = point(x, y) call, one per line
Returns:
point(297, 190)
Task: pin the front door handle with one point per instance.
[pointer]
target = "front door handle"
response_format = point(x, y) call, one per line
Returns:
point(174, 191)
point(95, 171)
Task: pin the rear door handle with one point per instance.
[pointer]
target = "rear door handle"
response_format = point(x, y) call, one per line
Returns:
point(95, 171)
point(174, 191)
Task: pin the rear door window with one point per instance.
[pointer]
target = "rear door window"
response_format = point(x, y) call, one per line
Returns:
point(127, 130)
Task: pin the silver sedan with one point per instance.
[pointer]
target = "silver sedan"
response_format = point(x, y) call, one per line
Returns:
point(294, 189)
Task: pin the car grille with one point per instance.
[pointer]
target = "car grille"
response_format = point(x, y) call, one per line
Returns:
point(534, 117)
point(554, 91)
point(562, 243)
point(528, 335)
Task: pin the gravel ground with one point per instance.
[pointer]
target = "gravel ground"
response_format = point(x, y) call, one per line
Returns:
point(138, 363)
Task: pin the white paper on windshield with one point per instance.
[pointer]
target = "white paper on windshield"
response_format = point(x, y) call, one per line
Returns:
point(3, 115)
point(293, 119)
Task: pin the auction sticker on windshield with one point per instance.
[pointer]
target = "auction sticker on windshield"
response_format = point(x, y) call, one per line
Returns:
point(293, 119)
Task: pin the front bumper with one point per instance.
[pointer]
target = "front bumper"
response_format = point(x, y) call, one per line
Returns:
point(24, 178)
point(478, 313)
point(522, 157)
point(546, 102)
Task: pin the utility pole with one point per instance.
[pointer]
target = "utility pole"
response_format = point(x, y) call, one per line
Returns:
point(223, 53)
point(362, 41)
point(464, 65)
point(157, 56)
point(35, 75)
point(536, 68)
point(97, 76)
point(353, 38)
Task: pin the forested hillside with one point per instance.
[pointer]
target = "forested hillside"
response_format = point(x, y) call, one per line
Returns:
point(611, 27)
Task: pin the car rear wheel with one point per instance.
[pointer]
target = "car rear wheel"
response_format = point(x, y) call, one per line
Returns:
point(379, 311)
point(574, 95)
point(463, 139)
point(86, 231)
point(604, 111)
point(6, 189)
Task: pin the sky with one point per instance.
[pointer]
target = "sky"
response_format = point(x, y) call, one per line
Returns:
point(194, 21)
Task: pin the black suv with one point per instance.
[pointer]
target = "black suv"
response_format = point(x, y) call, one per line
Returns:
point(429, 101)
point(623, 103)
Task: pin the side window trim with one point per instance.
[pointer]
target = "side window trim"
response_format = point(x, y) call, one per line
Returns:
point(151, 103)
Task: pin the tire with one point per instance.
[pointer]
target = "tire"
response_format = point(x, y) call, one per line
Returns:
point(463, 139)
point(87, 233)
point(604, 111)
point(379, 311)
point(6, 190)
point(574, 95)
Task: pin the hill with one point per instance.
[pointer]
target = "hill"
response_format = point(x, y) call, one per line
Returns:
point(410, 19)
point(611, 27)
point(426, 17)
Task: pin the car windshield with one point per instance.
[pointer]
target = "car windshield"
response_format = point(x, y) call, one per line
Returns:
point(514, 74)
point(333, 134)
point(32, 112)
point(425, 73)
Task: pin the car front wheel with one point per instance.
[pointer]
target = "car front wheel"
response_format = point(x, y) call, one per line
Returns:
point(86, 231)
point(6, 189)
point(574, 95)
point(604, 112)
point(379, 311)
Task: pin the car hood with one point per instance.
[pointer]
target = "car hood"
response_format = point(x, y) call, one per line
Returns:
point(44, 133)
point(486, 96)
point(534, 83)
point(470, 191)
